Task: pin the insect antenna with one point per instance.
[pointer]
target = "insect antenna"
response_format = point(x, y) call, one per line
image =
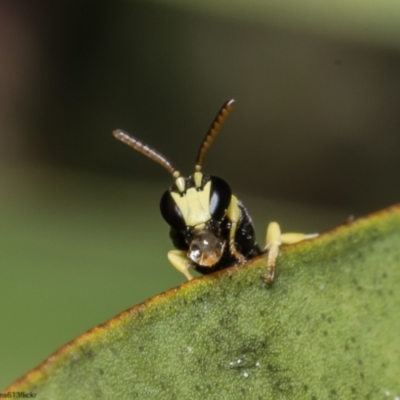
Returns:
point(213, 131)
point(146, 150)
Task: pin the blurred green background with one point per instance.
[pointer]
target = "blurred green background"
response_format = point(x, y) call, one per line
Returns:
point(314, 137)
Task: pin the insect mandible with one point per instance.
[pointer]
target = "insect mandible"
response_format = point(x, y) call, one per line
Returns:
point(210, 227)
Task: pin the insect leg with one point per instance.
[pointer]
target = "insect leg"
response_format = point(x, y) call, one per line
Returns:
point(234, 215)
point(179, 260)
point(274, 240)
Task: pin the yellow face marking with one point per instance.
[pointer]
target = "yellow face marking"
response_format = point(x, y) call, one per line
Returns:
point(194, 205)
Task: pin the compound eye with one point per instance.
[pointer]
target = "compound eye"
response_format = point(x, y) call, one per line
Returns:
point(171, 212)
point(220, 197)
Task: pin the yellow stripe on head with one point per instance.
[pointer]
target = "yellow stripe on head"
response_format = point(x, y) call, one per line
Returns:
point(194, 205)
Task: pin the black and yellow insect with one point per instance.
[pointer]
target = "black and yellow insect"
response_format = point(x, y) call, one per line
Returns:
point(210, 228)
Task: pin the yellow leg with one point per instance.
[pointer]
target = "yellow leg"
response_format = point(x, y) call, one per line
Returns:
point(274, 240)
point(233, 215)
point(179, 260)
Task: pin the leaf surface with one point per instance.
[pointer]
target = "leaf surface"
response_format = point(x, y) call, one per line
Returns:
point(328, 327)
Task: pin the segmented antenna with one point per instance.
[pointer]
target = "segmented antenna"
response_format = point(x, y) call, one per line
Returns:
point(213, 131)
point(146, 150)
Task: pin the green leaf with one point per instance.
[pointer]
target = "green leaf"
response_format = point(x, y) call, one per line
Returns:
point(328, 327)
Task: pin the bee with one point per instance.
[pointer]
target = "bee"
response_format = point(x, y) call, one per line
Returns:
point(209, 226)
